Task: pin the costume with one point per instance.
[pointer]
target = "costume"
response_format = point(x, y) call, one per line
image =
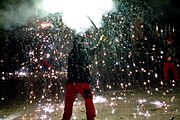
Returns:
point(78, 79)
point(169, 58)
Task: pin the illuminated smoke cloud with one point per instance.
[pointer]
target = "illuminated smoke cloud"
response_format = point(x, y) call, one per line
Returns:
point(75, 13)
point(14, 14)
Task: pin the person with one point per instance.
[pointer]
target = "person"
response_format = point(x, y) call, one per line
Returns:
point(79, 77)
point(169, 62)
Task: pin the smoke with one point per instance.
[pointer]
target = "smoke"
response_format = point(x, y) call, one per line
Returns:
point(17, 14)
point(75, 13)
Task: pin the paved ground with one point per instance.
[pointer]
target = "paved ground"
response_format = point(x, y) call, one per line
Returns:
point(151, 104)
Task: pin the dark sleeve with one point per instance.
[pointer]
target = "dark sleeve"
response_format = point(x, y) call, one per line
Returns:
point(170, 52)
point(95, 49)
point(173, 51)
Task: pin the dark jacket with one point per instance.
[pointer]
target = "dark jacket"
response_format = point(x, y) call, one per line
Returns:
point(170, 51)
point(78, 61)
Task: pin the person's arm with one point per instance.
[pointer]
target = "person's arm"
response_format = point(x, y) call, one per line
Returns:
point(170, 54)
point(94, 50)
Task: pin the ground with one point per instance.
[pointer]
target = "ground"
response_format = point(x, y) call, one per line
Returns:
point(136, 104)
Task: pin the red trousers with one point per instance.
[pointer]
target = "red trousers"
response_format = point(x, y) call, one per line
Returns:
point(170, 66)
point(71, 93)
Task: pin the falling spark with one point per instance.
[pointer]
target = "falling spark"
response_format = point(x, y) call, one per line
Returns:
point(99, 99)
point(158, 104)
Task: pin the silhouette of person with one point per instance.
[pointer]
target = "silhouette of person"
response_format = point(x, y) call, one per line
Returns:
point(79, 77)
point(169, 61)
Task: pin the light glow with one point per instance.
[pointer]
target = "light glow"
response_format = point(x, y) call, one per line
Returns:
point(75, 13)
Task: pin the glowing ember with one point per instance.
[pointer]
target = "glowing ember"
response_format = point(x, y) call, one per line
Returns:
point(99, 99)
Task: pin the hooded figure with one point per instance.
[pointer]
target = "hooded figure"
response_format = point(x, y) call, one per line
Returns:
point(78, 61)
point(78, 77)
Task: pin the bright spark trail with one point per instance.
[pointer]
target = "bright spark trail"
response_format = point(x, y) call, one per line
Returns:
point(36, 54)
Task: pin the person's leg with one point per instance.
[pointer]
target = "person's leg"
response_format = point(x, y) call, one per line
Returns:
point(175, 72)
point(70, 96)
point(176, 75)
point(86, 93)
point(166, 71)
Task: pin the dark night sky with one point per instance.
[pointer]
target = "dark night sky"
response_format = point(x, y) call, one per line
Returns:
point(167, 9)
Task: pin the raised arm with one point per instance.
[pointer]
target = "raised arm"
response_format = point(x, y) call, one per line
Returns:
point(95, 49)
